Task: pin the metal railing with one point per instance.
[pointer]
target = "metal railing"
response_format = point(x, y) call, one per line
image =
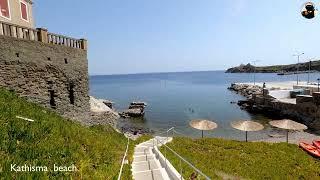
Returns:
point(123, 159)
point(181, 159)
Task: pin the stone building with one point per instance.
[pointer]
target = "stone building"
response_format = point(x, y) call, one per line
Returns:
point(46, 68)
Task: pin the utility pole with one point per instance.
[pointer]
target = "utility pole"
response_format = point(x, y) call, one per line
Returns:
point(298, 55)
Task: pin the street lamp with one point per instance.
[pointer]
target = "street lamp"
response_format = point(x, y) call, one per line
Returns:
point(254, 71)
point(298, 55)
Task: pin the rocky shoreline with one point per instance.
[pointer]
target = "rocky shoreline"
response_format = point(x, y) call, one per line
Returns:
point(133, 132)
point(246, 90)
point(259, 101)
point(102, 114)
point(256, 101)
point(136, 109)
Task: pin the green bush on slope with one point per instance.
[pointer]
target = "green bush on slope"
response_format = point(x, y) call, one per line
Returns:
point(96, 151)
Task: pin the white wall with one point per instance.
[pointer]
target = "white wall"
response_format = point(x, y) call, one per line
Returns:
point(280, 94)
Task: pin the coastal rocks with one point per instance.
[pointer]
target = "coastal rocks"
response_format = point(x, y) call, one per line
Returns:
point(136, 109)
point(256, 101)
point(132, 113)
point(246, 89)
point(101, 113)
point(134, 132)
point(135, 112)
point(99, 105)
point(108, 103)
point(305, 109)
point(242, 69)
point(244, 104)
point(104, 118)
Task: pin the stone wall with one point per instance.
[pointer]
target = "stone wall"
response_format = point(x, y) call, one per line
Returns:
point(304, 111)
point(52, 75)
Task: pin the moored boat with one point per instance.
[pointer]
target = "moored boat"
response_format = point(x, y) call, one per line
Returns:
point(316, 144)
point(314, 151)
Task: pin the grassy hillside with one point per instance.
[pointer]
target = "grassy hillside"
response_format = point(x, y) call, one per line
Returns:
point(96, 151)
point(219, 158)
point(314, 65)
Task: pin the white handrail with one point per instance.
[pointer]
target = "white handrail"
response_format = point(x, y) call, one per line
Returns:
point(124, 157)
point(163, 132)
point(180, 157)
point(180, 133)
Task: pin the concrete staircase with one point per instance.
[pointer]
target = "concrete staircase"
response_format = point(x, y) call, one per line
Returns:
point(145, 165)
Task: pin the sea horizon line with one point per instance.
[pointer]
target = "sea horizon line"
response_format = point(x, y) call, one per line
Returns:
point(142, 73)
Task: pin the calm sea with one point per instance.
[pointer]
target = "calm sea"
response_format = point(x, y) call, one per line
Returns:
point(176, 98)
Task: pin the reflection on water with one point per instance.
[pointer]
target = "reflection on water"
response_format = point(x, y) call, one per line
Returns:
point(176, 98)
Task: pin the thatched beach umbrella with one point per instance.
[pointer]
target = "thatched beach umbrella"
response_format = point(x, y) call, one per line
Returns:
point(203, 125)
point(288, 125)
point(245, 125)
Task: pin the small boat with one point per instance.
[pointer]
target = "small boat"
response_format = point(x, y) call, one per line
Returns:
point(316, 144)
point(314, 151)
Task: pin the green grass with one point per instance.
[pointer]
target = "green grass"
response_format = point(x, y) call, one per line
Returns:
point(96, 151)
point(253, 160)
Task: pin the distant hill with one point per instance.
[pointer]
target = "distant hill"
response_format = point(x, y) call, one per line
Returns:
point(315, 66)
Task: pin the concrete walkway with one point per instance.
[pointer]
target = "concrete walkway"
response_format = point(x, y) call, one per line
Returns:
point(145, 165)
point(278, 85)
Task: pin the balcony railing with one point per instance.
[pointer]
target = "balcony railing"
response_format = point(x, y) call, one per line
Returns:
point(40, 34)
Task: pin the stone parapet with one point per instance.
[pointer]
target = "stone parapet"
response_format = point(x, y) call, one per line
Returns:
point(40, 34)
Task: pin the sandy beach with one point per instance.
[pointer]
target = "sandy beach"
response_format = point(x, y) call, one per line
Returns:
point(295, 137)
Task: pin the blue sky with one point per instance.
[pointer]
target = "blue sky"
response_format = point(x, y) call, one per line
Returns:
point(138, 36)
